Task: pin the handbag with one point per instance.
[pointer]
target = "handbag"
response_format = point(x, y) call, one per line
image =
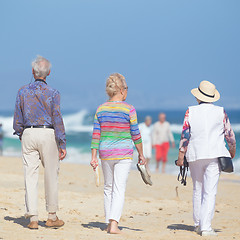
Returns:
point(225, 164)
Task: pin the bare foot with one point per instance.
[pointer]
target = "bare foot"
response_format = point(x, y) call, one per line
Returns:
point(113, 228)
point(115, 231)
point(107, 228)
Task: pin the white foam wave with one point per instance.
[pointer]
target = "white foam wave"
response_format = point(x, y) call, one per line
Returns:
point(236, 164)
point(7, 123)
point(74, 123)
point(177, 128)
point(75, 155)
point(12, 152)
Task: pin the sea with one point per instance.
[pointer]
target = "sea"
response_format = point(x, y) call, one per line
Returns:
point(79, 124)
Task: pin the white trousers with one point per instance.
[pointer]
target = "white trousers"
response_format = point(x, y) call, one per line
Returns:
point(147, 150)
point(205, 175)
point(39, 146)
point(115, 178)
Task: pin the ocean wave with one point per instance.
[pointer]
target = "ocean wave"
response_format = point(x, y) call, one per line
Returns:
point(7, 127)
point(75, 122)
point(177, 128)
point(81, 122)
point(236, 165)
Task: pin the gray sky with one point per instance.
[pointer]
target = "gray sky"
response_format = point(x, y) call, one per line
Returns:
point(163, 48)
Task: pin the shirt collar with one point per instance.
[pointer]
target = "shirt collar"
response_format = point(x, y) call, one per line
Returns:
point(40, 80)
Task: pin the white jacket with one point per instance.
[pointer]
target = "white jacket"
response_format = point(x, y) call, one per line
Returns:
point(206, 133)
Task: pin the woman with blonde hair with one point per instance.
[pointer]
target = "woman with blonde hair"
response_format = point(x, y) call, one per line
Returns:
point(115, 127)
point(202, 142)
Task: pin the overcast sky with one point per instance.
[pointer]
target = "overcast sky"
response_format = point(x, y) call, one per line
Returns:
point(163, 48)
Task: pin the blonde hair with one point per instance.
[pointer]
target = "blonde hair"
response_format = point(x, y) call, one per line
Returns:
point(114, 84)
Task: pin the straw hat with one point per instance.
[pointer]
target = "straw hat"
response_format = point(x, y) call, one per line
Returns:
point(206, 92)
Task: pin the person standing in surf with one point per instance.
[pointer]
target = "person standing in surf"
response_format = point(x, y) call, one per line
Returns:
point(115, 127)
point(161, 137)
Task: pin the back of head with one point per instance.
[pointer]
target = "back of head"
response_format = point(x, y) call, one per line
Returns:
point(114, 84)
point(41, 67)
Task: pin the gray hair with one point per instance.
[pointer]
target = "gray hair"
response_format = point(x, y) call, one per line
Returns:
point(41, 66)
point(148, 118)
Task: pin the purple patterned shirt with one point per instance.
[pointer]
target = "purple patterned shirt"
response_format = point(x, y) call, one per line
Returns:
point(39, 104)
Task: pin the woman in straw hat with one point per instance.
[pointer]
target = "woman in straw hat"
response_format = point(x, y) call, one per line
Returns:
point(202, 142)
point(115, 127)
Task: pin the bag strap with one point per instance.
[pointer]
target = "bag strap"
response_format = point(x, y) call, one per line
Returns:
point(182, 176)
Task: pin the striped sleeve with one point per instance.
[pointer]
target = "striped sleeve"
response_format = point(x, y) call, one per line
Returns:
point(134, 129)
point(185, 137)
point(96, 133)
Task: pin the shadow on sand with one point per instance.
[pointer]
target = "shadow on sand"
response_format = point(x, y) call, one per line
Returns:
point(181, 227)
point(22, 221)
point(185, 227)
point(103, 226)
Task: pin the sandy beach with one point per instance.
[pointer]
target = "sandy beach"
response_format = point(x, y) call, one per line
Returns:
point(149, 213)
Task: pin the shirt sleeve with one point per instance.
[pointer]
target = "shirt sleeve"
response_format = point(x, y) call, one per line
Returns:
point(170, 135)
point(228, 132)
point(134, 129)
point(96, 135)
point(18, 117)
point(154, 134)
point(57, 121)
point(185, 136)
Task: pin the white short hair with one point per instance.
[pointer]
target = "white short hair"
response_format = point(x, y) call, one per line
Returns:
point(41, 66)
point(148, 118)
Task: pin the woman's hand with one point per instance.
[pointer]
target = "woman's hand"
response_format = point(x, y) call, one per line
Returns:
point(232, 152)
point(180, 161)
point(94, 163)
point(141, 160)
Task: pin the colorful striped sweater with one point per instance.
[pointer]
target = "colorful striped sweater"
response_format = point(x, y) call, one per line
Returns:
point(115, 127)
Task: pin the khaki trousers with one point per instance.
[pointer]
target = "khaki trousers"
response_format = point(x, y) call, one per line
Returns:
point(39, 146)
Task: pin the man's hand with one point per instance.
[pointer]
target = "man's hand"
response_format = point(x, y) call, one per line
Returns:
point(173, 144)
point(94, 163)
point(62, 154)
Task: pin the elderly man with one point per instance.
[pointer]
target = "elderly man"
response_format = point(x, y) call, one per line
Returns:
point(39, 125)
point(161, 136)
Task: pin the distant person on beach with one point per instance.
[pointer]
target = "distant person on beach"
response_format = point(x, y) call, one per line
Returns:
point(115, 127)
point(39, 125)
point(202, 142)
point(146, 133)
point(161, 136)
point(1, 140)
